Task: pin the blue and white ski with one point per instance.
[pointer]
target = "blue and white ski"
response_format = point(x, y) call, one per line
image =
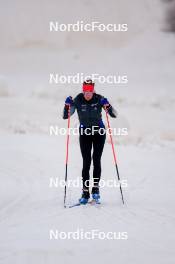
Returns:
point(92, 202)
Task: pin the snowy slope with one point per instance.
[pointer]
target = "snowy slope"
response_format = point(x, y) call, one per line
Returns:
point(29, 208)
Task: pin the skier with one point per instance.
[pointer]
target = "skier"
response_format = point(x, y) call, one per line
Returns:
point(89, 108)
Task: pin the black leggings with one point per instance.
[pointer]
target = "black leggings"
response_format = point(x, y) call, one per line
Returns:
point(86, 143)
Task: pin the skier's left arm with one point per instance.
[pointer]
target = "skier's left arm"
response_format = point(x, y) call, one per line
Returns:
point(108, 107)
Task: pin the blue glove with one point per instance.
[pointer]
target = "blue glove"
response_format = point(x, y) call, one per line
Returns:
point(69, 101)
point(104, 102)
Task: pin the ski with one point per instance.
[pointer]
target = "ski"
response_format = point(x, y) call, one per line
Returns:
point(92, 202)
point(74, 205)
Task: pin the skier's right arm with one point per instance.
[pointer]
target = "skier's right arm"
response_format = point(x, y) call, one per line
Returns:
point(68, 103)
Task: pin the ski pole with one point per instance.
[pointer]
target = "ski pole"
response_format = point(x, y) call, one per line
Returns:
point(67, 156)
point(114, 155)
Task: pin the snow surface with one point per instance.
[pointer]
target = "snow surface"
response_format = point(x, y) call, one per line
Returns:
point(29, 208)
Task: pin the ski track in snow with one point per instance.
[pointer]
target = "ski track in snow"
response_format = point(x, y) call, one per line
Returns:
point(33, 208)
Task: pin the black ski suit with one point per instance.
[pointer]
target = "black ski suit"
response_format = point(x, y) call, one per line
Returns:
point(90, 114)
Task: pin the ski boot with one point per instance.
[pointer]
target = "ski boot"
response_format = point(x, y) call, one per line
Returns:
point(95, 195)
point(85, 197)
